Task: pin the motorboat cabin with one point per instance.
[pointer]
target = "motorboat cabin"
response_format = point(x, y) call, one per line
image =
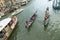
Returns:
point(6, 27)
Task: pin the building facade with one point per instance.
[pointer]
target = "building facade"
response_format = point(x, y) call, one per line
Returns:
point(6, 3)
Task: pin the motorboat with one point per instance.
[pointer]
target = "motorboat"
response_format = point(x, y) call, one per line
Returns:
point(7, 26)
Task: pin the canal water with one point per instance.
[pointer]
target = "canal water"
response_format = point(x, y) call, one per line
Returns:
point(37, 30)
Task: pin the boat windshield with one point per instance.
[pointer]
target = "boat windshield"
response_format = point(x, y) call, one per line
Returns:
point(4, 22)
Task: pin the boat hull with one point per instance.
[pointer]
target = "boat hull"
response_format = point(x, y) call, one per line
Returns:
point(46, 22)
point(30, 22)
point(11, 30)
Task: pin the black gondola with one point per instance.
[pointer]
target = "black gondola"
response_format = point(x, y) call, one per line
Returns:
point(29, 23)
point(46, 18)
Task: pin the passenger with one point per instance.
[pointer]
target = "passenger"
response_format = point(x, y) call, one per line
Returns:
point(10, 23)
point(14, 18)
point(26, 22)
point(2, 33)
point(32, 18)
point(46, 18)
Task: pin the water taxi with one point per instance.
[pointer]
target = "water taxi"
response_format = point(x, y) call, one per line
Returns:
point(6, 27)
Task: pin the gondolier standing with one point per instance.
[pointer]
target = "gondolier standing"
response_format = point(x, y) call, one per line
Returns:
point(47, 12)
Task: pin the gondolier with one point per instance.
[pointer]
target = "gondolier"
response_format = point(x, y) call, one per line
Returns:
point(47, 12)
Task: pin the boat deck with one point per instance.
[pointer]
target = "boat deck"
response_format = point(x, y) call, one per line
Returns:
point(9, 30)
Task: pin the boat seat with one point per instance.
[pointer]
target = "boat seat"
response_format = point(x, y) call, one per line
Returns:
point(7, 28)
point(7, 34)
point(12, 27)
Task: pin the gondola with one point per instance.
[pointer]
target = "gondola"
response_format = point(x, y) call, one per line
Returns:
point(29, 23)
point(46, 18)
point(46, 21)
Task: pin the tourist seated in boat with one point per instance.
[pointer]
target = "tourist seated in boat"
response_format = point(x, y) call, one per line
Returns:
point(14, 18)
point(10, 23)
point(28, 23)
point(46, 17)
point(32, 18)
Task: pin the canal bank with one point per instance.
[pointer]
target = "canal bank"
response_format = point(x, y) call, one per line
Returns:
point(37, 31)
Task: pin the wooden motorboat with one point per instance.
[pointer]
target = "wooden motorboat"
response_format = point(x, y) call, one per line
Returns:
point(6, 27)
point(29, 23)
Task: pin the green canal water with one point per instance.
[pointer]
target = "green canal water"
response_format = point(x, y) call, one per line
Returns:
point(37, 30)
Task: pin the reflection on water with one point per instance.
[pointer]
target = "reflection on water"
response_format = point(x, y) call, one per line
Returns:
point(37, 30)
point(45, 27)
